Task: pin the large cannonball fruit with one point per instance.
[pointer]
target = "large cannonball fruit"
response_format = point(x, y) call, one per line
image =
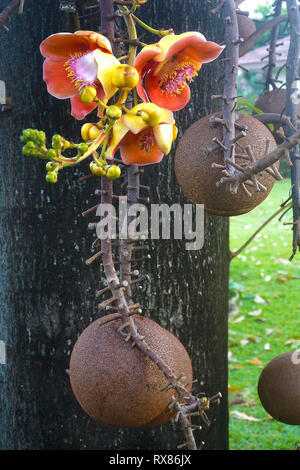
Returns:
point(196, 177)
point(116, 384)
point(279, 388)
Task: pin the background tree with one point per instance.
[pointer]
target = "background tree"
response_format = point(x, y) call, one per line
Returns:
point(48, 293)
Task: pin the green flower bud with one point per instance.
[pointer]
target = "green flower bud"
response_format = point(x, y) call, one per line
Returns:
point(114, 112)
point(40, 138)
point(51, 177)
point(82, 148)
point(51, 154)
point(113, 172)
point(65, 144)
point(51, 166)
point(57, 142)
point(29, 149)
point(26, 135)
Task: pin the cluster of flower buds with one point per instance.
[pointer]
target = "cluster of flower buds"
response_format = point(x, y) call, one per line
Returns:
point(82, 68)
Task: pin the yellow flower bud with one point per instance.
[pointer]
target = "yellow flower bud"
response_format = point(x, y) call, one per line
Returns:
point(125, 76)
point(90, 131)
point(51, 177)
point(113, 172)
point(87, 94)
point(114, 112)
point(96, 170)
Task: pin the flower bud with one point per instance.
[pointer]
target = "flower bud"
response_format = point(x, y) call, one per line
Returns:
point(114, 112)
point(125, 76)
point(82, 148)
point(113, 172)
point(88, 94)
point(26, 135)
point(96, 170)
point(57, 142)
point(90, 131)
point(29, 149)
point(51, 154)
point(51, 177)
point(51, 166)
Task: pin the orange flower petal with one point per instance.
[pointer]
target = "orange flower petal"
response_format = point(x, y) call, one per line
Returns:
point(171, 102)
point(96, 40)
point(142, 62)
point(132, 154)
point(208, 52)
point(61, 46)
point(174, 43)
point(79, 109)
point(57, 80)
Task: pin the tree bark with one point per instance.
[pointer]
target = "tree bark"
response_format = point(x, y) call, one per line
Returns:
point(47, 292)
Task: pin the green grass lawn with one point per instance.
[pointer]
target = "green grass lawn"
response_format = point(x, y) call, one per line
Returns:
point(264, 321)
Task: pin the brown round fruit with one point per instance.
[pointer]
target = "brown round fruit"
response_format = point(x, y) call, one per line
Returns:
point(246, 26)
point(116, 384)
point(279, 388)
point(246, 29)
point(197, 178)
point(273, 102)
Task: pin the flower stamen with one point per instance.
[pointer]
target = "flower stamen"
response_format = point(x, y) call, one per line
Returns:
point(146, 141)
point(174, 75)
point(82, 69)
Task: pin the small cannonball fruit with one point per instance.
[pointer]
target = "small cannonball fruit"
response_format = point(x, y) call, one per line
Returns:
point(118, 385)
point(198, 180)
point(274, 101)
point(279, 388)
point(246, 29)
point(246, 26)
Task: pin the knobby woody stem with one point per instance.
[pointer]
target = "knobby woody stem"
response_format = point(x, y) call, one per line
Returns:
point(291, 110)
point(232, 40)
point(120, 287)
point(272, 48)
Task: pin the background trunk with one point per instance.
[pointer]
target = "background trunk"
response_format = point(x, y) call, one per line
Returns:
point(47, 293)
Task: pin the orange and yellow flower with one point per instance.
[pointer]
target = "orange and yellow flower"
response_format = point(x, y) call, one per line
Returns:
point(144, 135)
point(75, 61)
point(166, 66)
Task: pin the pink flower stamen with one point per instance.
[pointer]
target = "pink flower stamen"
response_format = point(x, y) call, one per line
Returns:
point(146, 141)
point(175, 74)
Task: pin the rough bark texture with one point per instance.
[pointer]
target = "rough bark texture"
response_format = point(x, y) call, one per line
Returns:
point(47, 293)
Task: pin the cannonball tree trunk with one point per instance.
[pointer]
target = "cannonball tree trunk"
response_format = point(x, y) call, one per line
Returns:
point(47, 292)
